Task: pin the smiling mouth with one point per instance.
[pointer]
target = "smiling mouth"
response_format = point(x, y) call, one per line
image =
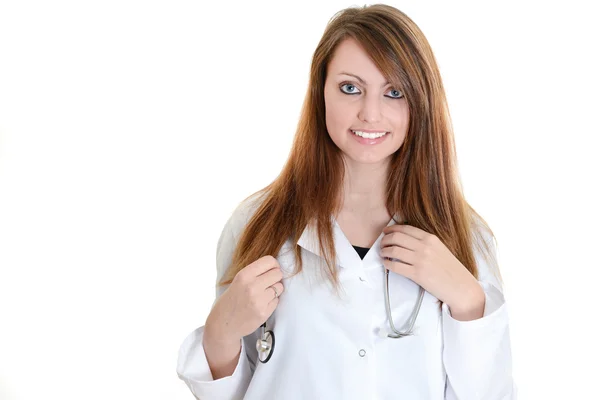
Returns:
point(369, 135)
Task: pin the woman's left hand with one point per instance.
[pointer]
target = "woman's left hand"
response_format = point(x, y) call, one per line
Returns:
point(428, 262)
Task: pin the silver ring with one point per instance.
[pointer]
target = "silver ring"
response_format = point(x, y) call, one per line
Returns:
point(276, 294)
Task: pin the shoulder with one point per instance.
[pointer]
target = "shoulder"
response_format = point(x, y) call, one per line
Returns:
point(482, 233)
point(233, 228)
point(485, 249)
point(242, 213)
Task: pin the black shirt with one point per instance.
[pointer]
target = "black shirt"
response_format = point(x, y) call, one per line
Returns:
point(362, 251)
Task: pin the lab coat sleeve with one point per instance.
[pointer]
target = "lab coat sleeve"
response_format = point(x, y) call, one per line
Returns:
point(477, 353)
point(192, 366)
point(193, 369)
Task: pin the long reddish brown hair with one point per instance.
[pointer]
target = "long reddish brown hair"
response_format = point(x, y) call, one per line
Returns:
point(423, 182)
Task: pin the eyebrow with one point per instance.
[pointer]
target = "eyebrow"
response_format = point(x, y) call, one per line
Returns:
point(361, 80)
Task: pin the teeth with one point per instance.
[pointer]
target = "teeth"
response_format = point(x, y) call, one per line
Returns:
point(369, 135)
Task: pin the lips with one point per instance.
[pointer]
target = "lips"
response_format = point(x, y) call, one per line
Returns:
point(376, 134)
point(368, 141)
point(370, 130)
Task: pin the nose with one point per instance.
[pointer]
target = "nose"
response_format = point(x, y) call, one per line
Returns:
point(370, 111)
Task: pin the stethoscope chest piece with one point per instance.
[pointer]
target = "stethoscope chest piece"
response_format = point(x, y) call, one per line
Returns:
point(265, 344)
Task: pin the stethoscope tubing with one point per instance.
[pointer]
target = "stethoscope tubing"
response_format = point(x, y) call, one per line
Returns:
point(395, 334)
point(263, 346)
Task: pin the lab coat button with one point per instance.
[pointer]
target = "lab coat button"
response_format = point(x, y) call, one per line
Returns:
point(362, 352)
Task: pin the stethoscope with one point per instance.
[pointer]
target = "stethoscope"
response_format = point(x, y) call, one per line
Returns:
point(266, 343)
point(395, 334)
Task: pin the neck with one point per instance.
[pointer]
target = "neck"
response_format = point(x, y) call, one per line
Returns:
point(365, 188)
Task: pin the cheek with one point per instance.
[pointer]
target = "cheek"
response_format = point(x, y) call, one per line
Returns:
point(401, 118)
point(338, 117)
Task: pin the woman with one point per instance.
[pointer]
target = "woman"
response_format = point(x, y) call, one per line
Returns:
point(370, 197)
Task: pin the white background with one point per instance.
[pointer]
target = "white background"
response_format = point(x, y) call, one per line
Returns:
point(130, 130)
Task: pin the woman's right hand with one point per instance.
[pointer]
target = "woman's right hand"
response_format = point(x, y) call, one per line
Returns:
point(248, 301)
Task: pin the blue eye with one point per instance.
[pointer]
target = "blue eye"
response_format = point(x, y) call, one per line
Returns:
point(398, 94)
point(347, 84)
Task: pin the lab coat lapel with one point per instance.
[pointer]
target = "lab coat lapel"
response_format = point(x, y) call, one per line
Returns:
point(309, 240)
point(346, 255)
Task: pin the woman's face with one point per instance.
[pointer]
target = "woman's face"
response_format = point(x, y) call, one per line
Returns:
point(370, 104)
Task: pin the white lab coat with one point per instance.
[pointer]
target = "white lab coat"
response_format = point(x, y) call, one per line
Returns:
point(328, 347)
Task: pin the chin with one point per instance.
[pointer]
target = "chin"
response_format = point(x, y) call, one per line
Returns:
point(368, 158)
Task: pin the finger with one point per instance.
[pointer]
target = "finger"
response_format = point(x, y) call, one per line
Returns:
point(398, 254)
point(399, 268)
point(270, 293)
point(269, 278)
point(272, 305)
point(262, 265)
point(399, 238)
point(407, 229)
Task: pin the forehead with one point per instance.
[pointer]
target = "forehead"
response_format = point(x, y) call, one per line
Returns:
point(350, 57)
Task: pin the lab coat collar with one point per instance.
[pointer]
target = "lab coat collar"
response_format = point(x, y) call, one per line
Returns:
point(346, 254)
